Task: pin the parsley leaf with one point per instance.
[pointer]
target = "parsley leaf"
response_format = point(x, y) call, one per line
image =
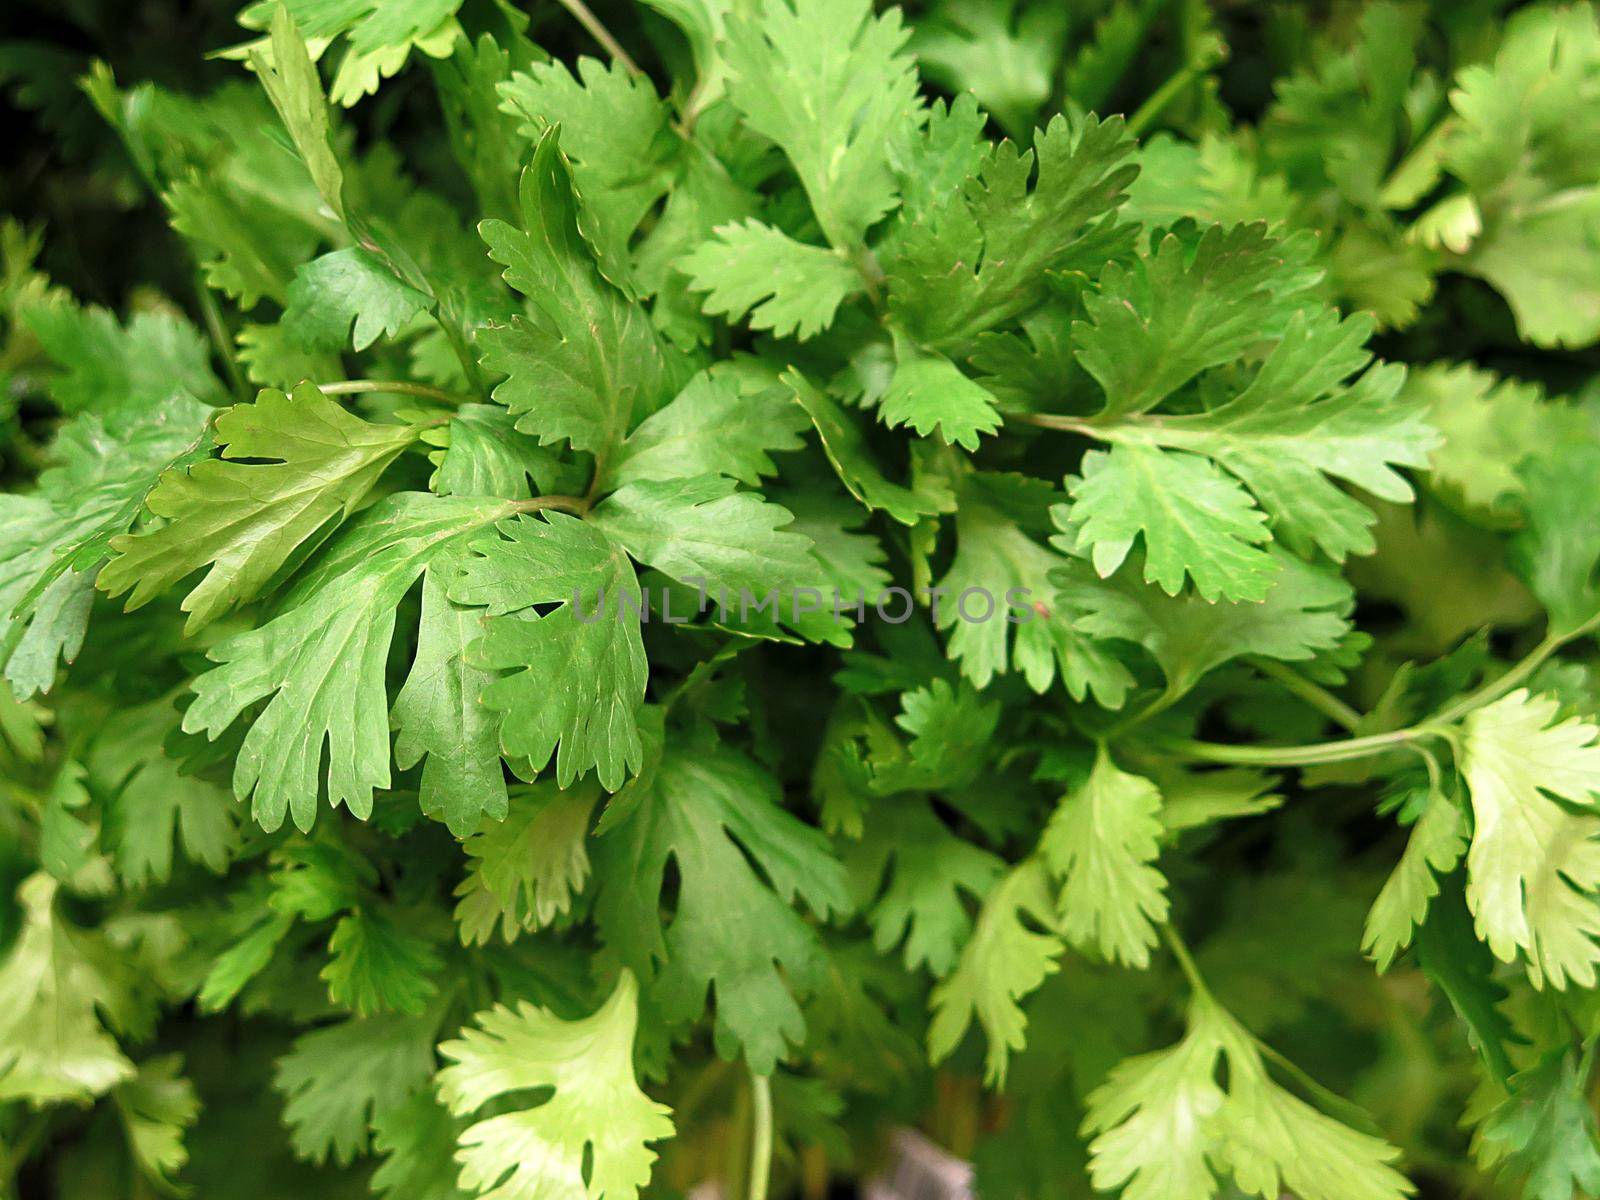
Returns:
point(1532, 859)
point(697, 810)
point(577, 673)
point(292, 466)
point(828, 81)
point(590, 1137)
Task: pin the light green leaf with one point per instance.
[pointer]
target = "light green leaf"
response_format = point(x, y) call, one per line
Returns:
point(481, 453)
point(1522, 146)
point(1157, 324)
point(1489, 427)
point(982, 256)
point(1535, 861)
point(1026, 632)
point(247, 519)
point(1217, 179)
point(1298, 427)
point(1164, 1127)
point(928, 392)
point(1150, 1122)
point(615, 129)
point(1102, 841)
point(290, 79)
point(1005, 57)
point(1305, 613)
point(53, 1046)
point(378, 40)
point(1003, 962)
point(526, 869)
point(1196, 799)
point(590, 1139)
point(157, 1107)
point(951, 731)
point(701, 532)
point(1437, 842)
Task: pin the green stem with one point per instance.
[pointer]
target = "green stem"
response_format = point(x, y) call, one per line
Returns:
point(1313, 754)
point(463, 352)
point(576, 505)
point(1518, 674)
point(1169, 696)
point(872, 276)
point(220, 341)
point(1201, 59)
point(1313, 694)
point(1060, 422)
point(598, 479)
point(692, 107)
point(582, 14)
point(1186, 962)
point(351, 387)
point(759, 1175)
point(1439, 726)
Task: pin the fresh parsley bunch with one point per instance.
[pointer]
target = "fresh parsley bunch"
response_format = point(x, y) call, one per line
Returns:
point(651, 618)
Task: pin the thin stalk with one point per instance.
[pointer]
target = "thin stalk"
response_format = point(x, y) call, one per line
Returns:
point(1201, 59)
point(351, 387)
point(576, 505)
point(598, 479)
point(1439, 726)
point(1186, 962)
point(463, 352)
point(1061, 422)
point(597, 30)
point(814, 1173)
point(872, 277)
point(759, 1175)
point(1518, 674)
point(1313, 694)
point(1312, 754)
point(220, 340)
point(1166, 699)
point(693, 106)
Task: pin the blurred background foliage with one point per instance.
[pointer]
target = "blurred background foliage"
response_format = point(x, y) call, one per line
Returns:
point(1320, 114)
